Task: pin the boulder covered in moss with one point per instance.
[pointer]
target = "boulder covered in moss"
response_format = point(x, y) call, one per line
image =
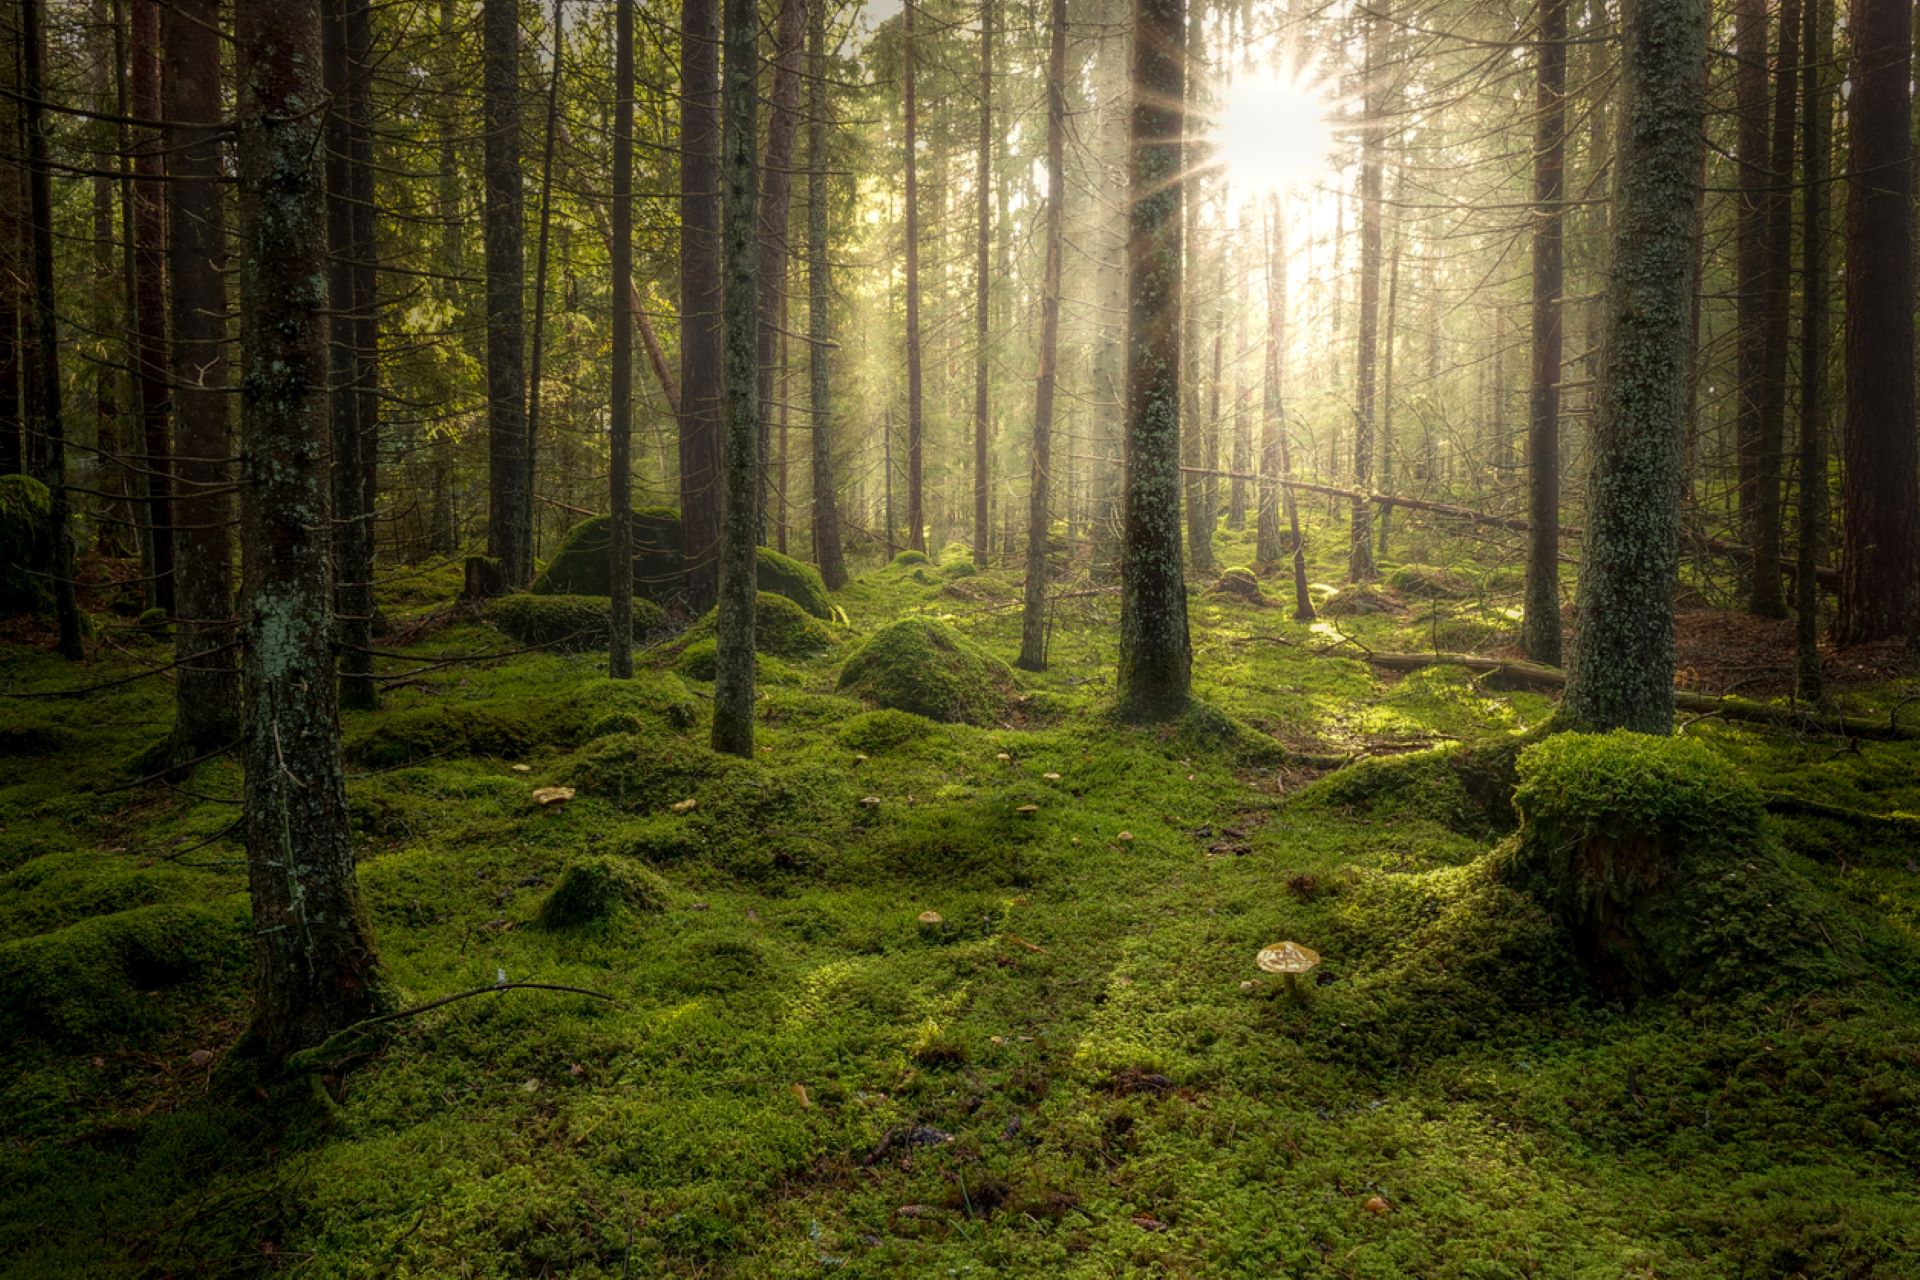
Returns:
point(796, 580)
point(780, 627)
point(601, 890)
point(1241, 583)
point(928, 668)
point(1653, 855)
point(570, 624)
point(579, 567)
point(26, 544)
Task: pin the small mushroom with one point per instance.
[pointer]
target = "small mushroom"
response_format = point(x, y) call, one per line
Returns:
point(1125, 837)
point(523, 768)
point(860, 757)
point(1287, 959)
point(931, 918)
point(1051, 777)
point(1004, 758)
point(870, 801)
point(1027, 808)
point(685, 806)
point(547, 796)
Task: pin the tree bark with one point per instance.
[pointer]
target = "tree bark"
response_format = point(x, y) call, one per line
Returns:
point(776, 203)
point(207, 689)
point(700, 297)
point(916, 518)
point(1816, 144)
point(150, 299)
point(982, 284)
point(1033, 614)
point(1765, 597)
point(1156, 656)
point(1621, 672)
point(1751, 257)
point(733, 668)
point(508, 540)
point(540, 254)
point(826, 515)
point(1360, 540)
point(1879, 454)
point(15, 241)
point(315, 970)
point(620, 418)
point(1540, 628)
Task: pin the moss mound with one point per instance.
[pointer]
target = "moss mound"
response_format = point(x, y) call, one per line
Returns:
point(701, 659)
point(910, 557)
point(107, 974)
point(798, 582)
point(1429, 582)
point(1241, 583)
point(601, 890)
point(1651, 853)
point(1464, 788)
point(780, 627)
point(879, 730)
point(26, 544)
point(571, 623)
point(649, 699)
point(579, 567)
point(513, 727)
point(927, 668)
point(1360, 600)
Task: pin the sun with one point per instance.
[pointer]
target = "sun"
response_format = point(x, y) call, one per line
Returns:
point(1273, 130)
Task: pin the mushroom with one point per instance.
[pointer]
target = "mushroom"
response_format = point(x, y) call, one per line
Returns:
point(1287, 959)
point(550, 796)
point(870, 801)
point(930, 917)
point(1027, 809)
point(1051, 777)
point(1004, 758)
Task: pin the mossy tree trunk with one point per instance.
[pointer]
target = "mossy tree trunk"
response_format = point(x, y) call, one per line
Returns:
point(1360, 536)
point(1816, 147)
point(1880, 454)
point(1540, 628)
point(776, 177)
point(1620, 675)
point(826, 512)
point(508, 467)
point(46, 324)
point(1193, 284)
point(1033, 616)
point(733, 668)
point(207, 690)
point(1156, 657)
point(700, 304)
point(916, 516)
point(315, 970)
point(620, 418)
point(982, 293)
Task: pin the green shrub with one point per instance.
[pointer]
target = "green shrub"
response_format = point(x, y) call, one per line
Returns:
point(601, 890)
point(879, 730)
point(26, 544)
point(926, 667)
point(798, 582)
point(780, 627)
point(569, 624)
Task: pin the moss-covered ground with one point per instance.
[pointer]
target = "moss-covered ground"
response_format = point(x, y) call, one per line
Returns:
point(1067, 1074)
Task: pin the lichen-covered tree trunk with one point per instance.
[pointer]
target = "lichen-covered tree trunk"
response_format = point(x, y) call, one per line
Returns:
point(776, 191)
point(1033, 615)
point(1620, 675)
point(916, 517)
point(207, 688)
point(46, 323)
point(315, 970)
point(700, 297)
point(620, 416)
point(1156, 657)
point(508, 467)
point(150, 299)
point(733, 668)
point(1816, 147)
point(826, 512)
point(982, 292)
point(1540, 626)
point(1877, 558)
point(1360, 533)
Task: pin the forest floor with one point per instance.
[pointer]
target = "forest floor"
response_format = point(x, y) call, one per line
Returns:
point(1067, 1075)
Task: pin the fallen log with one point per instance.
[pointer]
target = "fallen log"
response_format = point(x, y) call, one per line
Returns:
point(1538, 675)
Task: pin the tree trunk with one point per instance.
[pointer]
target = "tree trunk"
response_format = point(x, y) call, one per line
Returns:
point(540, 254)
point(1360, 540)
point(1621, 672)
point(1877, 558)
point(1816, 144)
point(620, 417)
point(150, 299)
point(314, 965)
point(1751, 258)
point(1765, 598)
point(1033, 615)
point(700, 300)
point(1267, 547)
point(826, 515)
point(508, 540)
point(776, 178)
point(916, 520)
point(982, 286)
point(1156, 657)
point(15, 307)
point(733, 667)
point(1387, 344)
point(207, 690)
point(1540, 628)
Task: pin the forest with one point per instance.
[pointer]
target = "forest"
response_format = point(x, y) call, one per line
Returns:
point(763, 638)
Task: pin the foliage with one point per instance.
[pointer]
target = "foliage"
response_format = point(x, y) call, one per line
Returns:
point(927, 668)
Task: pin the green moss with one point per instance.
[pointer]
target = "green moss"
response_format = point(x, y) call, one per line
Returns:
point(513, 727)
point(26, 543)
point(797, 581)
point(579, 567)
point(1466, 788)
point(926, 667)
point(601, 890)
point(649, 699)
point(885, 729)
point(59, 889)
point(910, 557)
point(1429, 582)
point(780, 627)
point(699, 660)
point(153, 624)
point(569, 624)
point(1241, 583)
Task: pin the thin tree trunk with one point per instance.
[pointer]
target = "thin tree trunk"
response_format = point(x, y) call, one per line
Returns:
point(315, 970)
point(916, 520)
point(46, 324)
point(826, 516)
point(1386, 379)
point(1540, 628)
point(1621, 671)
point(620, 418)
point(15, 250)
point(700, 300)
point(1765, 598)
point(207, 690)
point(537, 359)
point(1360, 539)
point(150, 298)
point(1877, 559)
point(1192, 436)
point(1816, 144)
point(1266, 538)
point(507, 538)
point(1751, 258)
point(1033, 615)
point(982, 282)
point(733, 668)
point(776, 178)
point(1156, 656)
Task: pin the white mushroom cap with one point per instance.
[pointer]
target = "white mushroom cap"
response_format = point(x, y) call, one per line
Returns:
point(1287, 957)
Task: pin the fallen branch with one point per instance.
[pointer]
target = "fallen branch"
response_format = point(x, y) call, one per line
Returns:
point(310, 1059)
point(1540, 676)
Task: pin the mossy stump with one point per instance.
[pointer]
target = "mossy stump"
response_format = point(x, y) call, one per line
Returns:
point(927, 668)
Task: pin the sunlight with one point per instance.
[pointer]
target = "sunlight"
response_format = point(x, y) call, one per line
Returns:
point(1273, 130)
